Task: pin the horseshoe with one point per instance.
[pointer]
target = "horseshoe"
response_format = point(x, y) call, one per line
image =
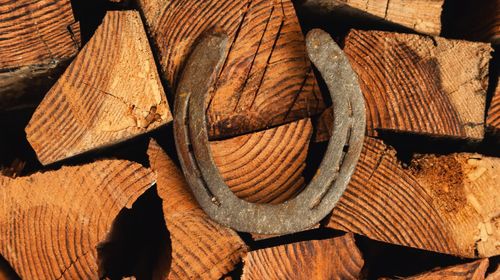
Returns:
point(330, 181)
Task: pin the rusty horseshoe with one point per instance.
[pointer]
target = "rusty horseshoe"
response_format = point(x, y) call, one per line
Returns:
point(320, 196)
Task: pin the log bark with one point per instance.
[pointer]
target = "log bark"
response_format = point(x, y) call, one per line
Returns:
point(266, 63)
point(447, 204)
point(266, 166)
point(201, 248)
point(335, 258)
point(423, 16)
point(470, 271)
point(37, 39)
point(52, 222)
point(421, 85)
point(110, 93)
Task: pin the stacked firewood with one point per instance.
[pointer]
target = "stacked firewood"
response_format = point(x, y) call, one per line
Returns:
point(90, 183)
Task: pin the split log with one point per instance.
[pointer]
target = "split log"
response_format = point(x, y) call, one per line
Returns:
point(266, 62)
point(469, 271)
point(448, 204)
point(37, 39)
point(266, 166)
point(111, 92)
point(423, 16)
point(201, 248)
point(51, 223)
point(335, 258)
point(493, 118)
point(421, 85)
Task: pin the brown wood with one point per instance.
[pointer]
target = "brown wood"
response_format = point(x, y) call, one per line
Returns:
point(266, 166)
point(445, 204)
point(266, 79)
point(422, 85)
point(52, 222)
point(469, 271)
point(423, 16)
point(493, 118)
point(335, 258)
point(201, 248)
point(111, 92)
point(37, 39)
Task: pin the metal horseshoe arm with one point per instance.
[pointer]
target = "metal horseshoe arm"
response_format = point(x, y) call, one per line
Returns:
point(321, 194)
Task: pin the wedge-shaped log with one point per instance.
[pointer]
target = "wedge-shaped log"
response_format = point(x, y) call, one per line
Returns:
point(37, 39)
point(51, 223)
point(334, 258)
point(265, 166)
point(421, 85)
point(111, 92)
point(423, 16)
point(266, 79)
point(201, 248)
point(473, 271)
point(447, 204)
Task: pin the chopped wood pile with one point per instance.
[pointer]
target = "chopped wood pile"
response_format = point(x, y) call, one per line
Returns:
point(94, 185)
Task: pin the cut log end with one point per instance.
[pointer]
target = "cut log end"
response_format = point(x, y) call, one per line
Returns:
point(419, 85)
point(266, 61)
point(441, 203)
point(104, 98)
point(335, 258)
point(266, 166)
point(201, 248)
point(34, 46)
point(62, 215)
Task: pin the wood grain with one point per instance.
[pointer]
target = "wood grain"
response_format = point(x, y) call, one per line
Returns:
point(470, 271)
point(447, 204)
point(51, 223)
point(422, 85)
point(265, 166)
point(36, 39)
point(111, 92)
point(423, 16)
point(335, 258)
point(266, 79)
point(201, 248)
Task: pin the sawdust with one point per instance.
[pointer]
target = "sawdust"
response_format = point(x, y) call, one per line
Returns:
point(443, 176)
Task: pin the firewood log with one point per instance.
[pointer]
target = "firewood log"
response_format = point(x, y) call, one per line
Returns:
point(423, 16)
point(447, 203)
point(52, 222)
point(334, 258)
point(201, 248)
point(111, 92)
point(266, 79)
point(420, 85)
point(469, 271)
point(265, 166)
point(37, 40)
